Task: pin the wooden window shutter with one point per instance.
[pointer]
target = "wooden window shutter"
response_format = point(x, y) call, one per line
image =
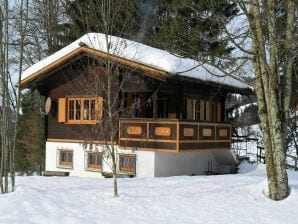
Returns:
point(62, 110)
point(189, 109)
point(99, 107)
point(218, 111)
point(208, 111)
point(202, 110)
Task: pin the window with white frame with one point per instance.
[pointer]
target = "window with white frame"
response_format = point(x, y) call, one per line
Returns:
point(94, 161)
point(65, 158)
point(127, 163)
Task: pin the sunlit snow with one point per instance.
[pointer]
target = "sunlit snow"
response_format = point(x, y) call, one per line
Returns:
point(229, 199)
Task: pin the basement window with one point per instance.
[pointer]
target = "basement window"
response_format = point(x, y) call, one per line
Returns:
point(127, 163)
point(65, 158)
point(94, 161)
point(80, 110)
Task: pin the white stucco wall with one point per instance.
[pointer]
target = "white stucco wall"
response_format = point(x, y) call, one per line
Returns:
point(78, 159)
point(183, 163)
point(145, 163)
point(148, 163)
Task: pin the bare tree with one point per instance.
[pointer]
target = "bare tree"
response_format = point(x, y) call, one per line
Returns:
point(263, 35)
point(5, 144)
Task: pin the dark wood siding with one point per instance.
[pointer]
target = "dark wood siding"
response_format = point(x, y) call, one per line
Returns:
point(77, 79)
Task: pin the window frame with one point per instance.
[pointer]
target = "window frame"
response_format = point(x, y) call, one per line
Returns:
point(65, 164)
point(99, 168)
point(97, 114)
point(127, 170)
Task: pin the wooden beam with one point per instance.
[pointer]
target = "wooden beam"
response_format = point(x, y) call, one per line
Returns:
point(150, 71)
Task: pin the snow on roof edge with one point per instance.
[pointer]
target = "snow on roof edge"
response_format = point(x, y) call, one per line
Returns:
point(141, 53)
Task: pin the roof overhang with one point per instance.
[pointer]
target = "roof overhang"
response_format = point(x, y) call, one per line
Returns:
point(148, 70)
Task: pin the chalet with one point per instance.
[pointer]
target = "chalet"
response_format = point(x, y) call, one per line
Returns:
point(169, 113)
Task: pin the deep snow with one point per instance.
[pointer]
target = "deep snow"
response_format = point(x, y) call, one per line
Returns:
point(235, 198)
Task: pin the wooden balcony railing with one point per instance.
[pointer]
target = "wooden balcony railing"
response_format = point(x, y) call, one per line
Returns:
point(172, 135)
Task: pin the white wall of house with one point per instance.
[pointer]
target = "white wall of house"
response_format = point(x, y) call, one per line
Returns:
point(79, 159)
point(148, 163)
point(145, 163)
point(183, 163)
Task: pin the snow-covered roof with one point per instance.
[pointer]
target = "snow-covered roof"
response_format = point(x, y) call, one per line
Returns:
point(143, 54)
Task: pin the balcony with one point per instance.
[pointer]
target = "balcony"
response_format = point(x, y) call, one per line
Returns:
point(173, 135)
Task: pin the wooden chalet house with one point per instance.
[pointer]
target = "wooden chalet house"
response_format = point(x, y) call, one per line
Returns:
point(169, 113)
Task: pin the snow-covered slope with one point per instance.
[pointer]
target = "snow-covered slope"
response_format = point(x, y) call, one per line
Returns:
point(201, 199)
point(141, 53)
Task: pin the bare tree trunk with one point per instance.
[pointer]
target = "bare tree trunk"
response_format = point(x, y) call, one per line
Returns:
point(23, 29)
point(273, 98)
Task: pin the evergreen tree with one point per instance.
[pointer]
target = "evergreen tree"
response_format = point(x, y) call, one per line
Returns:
point(191, 27)
point(85, 16)
point(31, 147)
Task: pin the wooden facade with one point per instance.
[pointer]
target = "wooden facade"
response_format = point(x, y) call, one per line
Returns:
point(174, 114)
point(173, 135)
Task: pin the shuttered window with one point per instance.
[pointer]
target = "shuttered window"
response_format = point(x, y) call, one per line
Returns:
point(65, 158)
point(127, 163)
point(201, 110)
point(82, 110)
point(94, 161)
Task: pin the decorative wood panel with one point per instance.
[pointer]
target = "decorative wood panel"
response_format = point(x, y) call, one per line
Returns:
point(188, 132)
point(163, 135)
point(134, 130)
point(223, 133)
point(162, 131)
point(207, 132)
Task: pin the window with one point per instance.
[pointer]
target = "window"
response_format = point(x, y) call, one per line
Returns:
point(127, 163)
point(202, 110)
point(65, 158)
point(83, 110)
point(94, 161)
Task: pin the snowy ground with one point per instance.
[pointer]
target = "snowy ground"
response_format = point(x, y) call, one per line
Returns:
point(202, 199)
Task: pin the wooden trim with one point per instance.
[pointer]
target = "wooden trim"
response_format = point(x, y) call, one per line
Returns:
point(218, 112)
point(202, 104)
point(78, 141)
point(177, 136)
point(61, 110)
point(148, 149)
point(172, 151)
point(202, 141)
point(154, 72)
point(198, 150)
point(148, 140)
point(148, 122)
point(208, 111)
